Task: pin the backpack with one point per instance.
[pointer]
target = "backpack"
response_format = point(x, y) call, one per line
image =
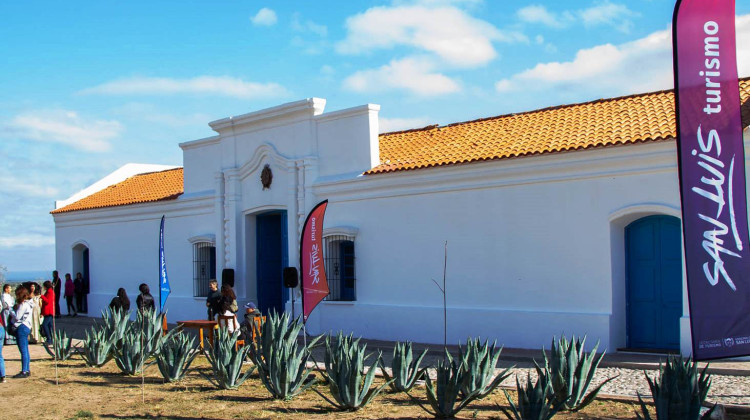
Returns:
point(11, 329)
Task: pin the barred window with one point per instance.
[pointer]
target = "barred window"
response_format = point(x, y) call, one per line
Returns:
point(204, 267)
point(340, 269)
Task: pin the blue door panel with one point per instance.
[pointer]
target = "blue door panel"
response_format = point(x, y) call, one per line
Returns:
point(271, 259)
point(654, 282)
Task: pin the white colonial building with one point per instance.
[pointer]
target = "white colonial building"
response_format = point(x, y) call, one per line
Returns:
point(561, 220)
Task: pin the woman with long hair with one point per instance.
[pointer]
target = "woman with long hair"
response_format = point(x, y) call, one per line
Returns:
point(121, 302)
point(35, 296)
point(145, 301)
point(22, 320)
point(229, 307)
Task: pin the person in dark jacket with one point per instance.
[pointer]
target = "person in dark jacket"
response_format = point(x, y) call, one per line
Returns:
point(57, 284)
point(145, 300)
point(213, 301)
point(78, 291)
point(121, 302)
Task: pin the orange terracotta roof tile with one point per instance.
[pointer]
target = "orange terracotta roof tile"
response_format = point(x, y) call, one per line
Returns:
point(141, 188)
point(605, 122)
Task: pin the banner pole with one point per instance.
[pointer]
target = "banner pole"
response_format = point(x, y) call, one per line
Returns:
point(143, 375)
point(54, 341)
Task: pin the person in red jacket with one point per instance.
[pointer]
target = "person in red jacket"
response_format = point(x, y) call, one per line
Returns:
point(48, 310)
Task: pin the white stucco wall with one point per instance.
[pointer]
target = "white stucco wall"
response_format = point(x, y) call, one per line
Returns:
point(123, 251)
point(535, 244)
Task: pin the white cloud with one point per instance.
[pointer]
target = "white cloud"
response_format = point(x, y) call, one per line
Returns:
point(397, 124)
point(209, 85)
point(32, 240)
point(308, 26)
point(454, 36)
point(416, 75)
point(606, 13)
point(639, 66)
point(150, 113)
point(264, 17)
point(540, 14)
point(64, 127)
point(12, 185)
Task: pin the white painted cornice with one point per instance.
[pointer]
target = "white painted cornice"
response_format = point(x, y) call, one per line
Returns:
point(592, 163)
point(200, 142)
point(144, 211)
point(349, 112)
point(310, 107)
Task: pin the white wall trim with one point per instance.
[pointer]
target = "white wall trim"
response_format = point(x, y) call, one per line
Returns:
point(134, 212)
point(208, 237)
point(349, 231)
point(648, 158)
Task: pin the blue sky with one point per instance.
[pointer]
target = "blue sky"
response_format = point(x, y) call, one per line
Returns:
point(86, 87)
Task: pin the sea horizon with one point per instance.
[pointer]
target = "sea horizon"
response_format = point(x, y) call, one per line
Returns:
point(20, 276)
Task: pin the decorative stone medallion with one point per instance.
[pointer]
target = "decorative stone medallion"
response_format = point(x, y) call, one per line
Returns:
point(266, 177)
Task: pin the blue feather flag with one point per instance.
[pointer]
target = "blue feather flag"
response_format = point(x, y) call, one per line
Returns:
point(164, 288)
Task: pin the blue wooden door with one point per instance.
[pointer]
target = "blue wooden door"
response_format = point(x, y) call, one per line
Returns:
point(654, 283)
point(271, 258)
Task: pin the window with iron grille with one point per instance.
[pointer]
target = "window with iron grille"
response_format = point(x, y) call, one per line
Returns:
point(204, 267)
point(340, 269)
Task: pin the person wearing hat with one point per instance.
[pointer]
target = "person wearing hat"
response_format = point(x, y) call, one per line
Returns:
point(252, 314)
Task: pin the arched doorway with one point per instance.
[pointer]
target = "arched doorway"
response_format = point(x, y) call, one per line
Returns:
point(81, 265)
point(654, 283)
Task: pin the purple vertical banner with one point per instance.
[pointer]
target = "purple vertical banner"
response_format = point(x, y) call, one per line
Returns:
point(712, 177)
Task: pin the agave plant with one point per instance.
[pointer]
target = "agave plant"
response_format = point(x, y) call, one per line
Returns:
point(405, 371)
point(443, 397)
point(175, 356)
point(130, 354)
point(114, 323)
point(571, 371)
point(97, 347)
point(535, 400)
point(62, 348)
point(226, 360)
point(281, 364)
point(478, 362)
point(150, 323)
point(345, 372)
point(679, 392)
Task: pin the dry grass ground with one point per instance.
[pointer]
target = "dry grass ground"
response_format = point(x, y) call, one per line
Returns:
point(84, 392)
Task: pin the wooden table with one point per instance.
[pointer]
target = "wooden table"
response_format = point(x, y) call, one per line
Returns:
point(200, 325)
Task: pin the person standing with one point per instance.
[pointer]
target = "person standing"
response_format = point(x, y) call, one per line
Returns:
point(121, 302)
point(145, 301)
point(48, 310)
point(7, 306)
point(78, 291)
point(22, 320)
point(69, 294)
point(213, 301)
point(57, 283)
point(2, 360)
point(35, 297)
